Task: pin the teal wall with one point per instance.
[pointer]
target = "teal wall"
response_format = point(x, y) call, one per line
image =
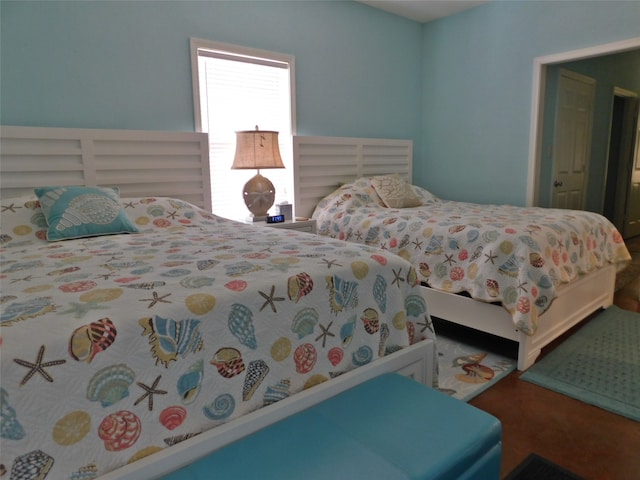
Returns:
point(616, 70)
point(477, 80)
point(116, 64)
point(459, 87)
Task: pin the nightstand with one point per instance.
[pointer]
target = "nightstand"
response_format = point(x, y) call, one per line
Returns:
point(308, 226)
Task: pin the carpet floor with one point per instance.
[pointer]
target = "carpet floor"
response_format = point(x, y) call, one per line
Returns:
point(599, 364)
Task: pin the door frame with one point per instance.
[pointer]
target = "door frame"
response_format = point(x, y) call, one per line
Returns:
point(537, 102)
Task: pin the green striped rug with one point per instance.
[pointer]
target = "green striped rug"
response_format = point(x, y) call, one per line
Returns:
point(599, 364)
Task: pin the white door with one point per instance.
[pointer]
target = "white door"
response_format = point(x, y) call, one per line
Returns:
point(572, 140)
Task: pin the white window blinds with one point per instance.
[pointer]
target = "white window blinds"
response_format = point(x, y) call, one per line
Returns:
point(239, 90)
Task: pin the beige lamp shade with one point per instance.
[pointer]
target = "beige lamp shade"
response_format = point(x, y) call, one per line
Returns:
point(256, 149)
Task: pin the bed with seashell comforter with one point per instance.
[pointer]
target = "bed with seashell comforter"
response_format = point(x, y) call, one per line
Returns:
point(117, 346)
point(518, 258)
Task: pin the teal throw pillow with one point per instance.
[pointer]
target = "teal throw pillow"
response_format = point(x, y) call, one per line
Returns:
point(77, 212)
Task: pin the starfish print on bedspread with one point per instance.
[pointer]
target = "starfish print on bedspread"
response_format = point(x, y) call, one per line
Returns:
point(325, 333)
point(38, 367)
point(331, 263)
point(397, 278)
point(282, 267)
point(156, 299)
point(490, 257)
point(106, 276)
point(428, 324)
point(11, 208)
point(270, 299)
point(28, 278)
point(149, 392)
point(79, 310)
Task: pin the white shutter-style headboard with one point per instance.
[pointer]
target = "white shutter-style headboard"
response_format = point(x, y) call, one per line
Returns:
point(140, 163)
point(322, 164)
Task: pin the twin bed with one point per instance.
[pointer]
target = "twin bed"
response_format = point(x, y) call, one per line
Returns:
point(133, 350)
point(525, 274)
point(140, 332)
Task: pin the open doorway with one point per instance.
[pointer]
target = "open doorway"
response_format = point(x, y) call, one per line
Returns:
point(618, 204)
point(537, 188)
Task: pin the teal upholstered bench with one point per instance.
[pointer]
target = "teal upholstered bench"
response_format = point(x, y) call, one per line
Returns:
point(390, 427)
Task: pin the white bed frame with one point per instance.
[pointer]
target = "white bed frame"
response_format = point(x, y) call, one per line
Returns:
point(168, 164)
point(322, 164)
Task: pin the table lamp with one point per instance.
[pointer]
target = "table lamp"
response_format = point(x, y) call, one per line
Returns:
point(257, 149)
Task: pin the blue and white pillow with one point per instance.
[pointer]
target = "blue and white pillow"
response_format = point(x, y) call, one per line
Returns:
point(77, 212)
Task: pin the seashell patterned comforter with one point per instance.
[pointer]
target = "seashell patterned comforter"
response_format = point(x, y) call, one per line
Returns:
point(495, 253)
point(116, 347)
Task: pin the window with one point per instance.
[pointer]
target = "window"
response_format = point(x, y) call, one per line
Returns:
point(237, 88)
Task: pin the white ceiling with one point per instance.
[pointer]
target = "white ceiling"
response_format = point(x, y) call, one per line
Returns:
point(423, 11)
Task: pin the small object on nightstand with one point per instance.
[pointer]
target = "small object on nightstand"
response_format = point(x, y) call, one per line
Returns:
point(286, 209)
point(275, 219)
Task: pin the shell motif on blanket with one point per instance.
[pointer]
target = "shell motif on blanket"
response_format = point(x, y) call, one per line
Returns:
point(342, 293)
point(22, 310)
point(304, 322)
point(110, 384)
point(190, 382)
point(87, 209)
point(241, 325)
point(10, 426)
point(119, 430)
point(89, 340)
point(170, 338)
point(380, 292)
